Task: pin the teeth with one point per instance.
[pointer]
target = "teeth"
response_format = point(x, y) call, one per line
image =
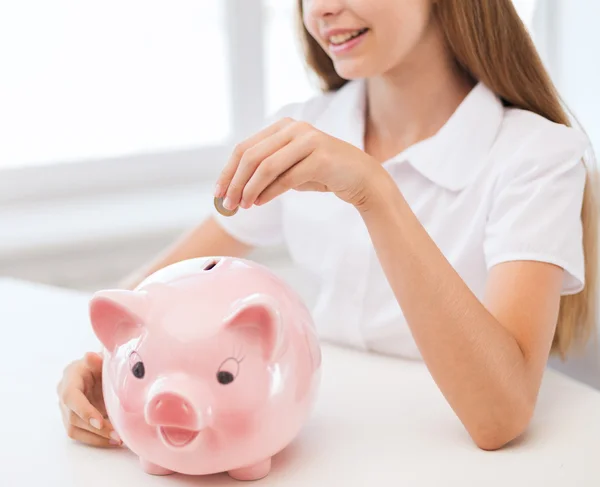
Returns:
point(341, 38)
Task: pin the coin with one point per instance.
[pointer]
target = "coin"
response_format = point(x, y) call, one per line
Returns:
point(222, 210)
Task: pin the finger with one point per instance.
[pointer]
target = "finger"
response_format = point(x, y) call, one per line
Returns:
point(93, 370)
point(97, 400)
point(93, 360)
point(297, 175)
point(252, 159)
point(88, 438)
point(75, 432)
point(73, 377)
point(93, 392)
point(274, 169)
point(232, 164)
point(106, 431)
point(75, 400)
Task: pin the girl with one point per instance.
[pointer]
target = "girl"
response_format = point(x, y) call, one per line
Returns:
point(440, 201)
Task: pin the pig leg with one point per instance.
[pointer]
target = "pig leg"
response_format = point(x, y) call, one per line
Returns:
point(252, 472)
point(153, 469)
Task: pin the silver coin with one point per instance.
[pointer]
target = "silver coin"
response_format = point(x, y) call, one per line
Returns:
point(222, 210)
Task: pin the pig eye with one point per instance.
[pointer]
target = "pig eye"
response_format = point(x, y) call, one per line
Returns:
point(225, 377)
point(228, 371)
point(137, 366)
point(138, 370)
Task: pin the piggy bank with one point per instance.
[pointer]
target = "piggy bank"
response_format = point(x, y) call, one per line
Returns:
point(210, 365)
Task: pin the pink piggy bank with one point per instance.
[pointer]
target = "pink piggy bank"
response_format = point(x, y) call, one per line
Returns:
point(211, 365)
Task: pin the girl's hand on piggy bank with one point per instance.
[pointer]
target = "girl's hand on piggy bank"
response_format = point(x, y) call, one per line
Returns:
point(82, 403)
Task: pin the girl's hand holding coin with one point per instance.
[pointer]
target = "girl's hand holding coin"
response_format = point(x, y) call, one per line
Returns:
point(295, 155)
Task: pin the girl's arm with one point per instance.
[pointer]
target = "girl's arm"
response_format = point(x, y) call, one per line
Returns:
point(488, 359)
point(207, 239)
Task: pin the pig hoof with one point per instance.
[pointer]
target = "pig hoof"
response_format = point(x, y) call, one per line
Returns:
point(152, 469)
point(253, 472)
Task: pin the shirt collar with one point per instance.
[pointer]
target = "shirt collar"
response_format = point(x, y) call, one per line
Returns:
point(451, 158)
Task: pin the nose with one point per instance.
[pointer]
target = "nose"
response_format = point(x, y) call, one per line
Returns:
point(323, 8)
point(170, 409)
point(179, 401)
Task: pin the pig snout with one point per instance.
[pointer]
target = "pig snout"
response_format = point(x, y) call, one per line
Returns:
point(178, 403)
point(168, 409)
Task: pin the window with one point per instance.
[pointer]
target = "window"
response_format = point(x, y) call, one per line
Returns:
point(88, 80)
point(287, 78)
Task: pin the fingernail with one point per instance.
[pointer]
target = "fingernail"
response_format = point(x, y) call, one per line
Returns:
point(218, 189)
point(228, 203)
point(115, 437)
point(114, 442)
point(95, 423)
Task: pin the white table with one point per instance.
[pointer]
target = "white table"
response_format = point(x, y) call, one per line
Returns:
point(378, 421)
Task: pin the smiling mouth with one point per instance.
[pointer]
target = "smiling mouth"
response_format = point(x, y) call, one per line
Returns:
point(340, 39)
point(177, 437)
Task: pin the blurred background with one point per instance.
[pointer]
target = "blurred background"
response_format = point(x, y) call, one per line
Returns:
point(116, 116)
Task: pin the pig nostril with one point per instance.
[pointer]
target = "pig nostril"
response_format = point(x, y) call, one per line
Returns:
point(172, 406)
point(211, 265)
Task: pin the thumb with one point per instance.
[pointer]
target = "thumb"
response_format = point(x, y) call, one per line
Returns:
point(93, 360)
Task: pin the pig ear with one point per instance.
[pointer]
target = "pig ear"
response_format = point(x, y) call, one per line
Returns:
point(258, 317)
point(117, 316)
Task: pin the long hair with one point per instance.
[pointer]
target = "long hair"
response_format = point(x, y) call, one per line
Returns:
point(491, 44)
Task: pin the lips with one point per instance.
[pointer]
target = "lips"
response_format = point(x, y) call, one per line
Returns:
point(341, 38)
point(177, 437)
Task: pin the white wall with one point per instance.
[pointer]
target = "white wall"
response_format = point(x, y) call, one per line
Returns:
point(572, 52)
point(576, 62)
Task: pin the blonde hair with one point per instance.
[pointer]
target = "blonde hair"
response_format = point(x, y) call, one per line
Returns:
point(491, 44)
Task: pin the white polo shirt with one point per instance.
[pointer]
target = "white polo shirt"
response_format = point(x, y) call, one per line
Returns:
point(494, 184)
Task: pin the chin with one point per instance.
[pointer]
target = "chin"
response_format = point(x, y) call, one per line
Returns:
point(360, 67)
point(351, 70)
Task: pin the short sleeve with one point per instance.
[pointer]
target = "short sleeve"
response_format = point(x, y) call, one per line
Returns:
point(259, 225)
point(536, 213)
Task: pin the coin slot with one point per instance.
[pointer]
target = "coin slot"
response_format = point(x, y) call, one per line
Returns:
point(211, 265)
